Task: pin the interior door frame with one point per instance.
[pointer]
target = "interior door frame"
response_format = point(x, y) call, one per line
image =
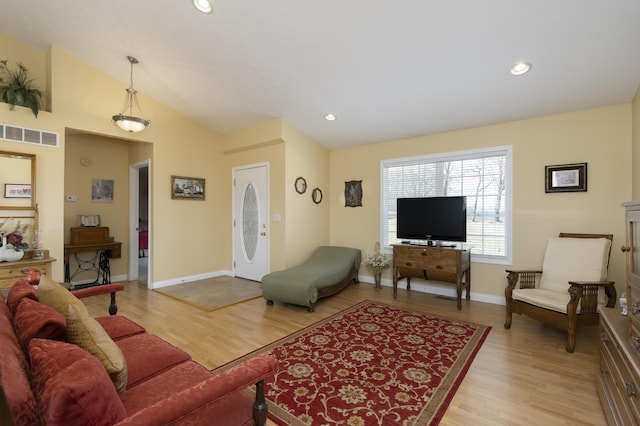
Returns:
point(134, 217)
point(235, 229)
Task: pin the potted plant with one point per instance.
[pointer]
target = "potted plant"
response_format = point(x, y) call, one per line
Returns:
point(16, 88)
point(378, 262)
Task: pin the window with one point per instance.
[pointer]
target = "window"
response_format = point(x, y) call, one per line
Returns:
point(484, 176)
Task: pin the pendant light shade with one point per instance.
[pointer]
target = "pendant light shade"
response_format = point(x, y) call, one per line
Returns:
point(130, 117)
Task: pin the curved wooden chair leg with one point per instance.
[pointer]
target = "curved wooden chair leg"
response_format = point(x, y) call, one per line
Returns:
point(260, 407)
point(507, 322)
point(113, 306)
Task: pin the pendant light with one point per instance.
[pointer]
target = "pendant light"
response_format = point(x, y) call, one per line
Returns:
point(127, 119)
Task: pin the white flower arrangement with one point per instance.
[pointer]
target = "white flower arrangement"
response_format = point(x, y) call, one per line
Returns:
point(377, 261)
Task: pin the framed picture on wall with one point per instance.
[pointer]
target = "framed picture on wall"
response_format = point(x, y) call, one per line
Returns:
point(566, 178)
point(17, 190)
point(102, 190)
point(353, 193)
point(187, 188)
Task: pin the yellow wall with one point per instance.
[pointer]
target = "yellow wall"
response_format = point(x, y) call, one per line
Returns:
point(109, 160)
point(307, 223)
point(249, 150)
point(84, 99)
point(600, 137)
point(635, 178)
point(194, 237)
point(303, 225)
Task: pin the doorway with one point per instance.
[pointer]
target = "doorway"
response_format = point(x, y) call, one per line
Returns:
point(140, 222)
point(250, 221)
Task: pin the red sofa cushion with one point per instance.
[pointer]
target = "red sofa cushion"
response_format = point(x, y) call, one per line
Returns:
point(21, 289)
point(119, 327)
point(35, 320)
point(14, 373)
point(162, 386)
point(72, 386)
point(147, 356)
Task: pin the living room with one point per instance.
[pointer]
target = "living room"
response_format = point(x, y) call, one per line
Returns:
point(602, 137)
point(190, 239)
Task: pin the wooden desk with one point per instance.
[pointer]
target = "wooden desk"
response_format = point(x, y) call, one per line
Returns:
point(98, 263)
point(10, 272)
point(432, 263)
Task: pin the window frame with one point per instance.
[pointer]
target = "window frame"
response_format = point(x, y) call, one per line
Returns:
point(506, 150)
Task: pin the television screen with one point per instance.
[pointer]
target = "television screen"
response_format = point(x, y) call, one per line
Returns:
point(432, 218)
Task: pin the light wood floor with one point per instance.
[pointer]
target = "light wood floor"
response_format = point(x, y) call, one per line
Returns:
point(522, 376)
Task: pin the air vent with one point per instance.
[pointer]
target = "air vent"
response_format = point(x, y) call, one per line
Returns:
point(26, 135)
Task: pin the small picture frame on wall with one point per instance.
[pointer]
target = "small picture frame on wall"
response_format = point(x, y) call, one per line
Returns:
point(353, 193)
point(187, 188)
point(102, 190)
point(17, 190)
point(566, 178)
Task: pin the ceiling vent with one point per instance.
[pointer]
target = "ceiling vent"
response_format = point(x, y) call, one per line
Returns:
point(30, 136)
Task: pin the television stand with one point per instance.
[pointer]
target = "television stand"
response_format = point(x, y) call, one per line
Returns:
point(446, 264)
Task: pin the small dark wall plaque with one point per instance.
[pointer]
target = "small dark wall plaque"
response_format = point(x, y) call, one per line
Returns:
point(353, 193)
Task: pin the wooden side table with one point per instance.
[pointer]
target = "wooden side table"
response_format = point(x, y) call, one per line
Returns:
point(10, 272)
point(432, 263)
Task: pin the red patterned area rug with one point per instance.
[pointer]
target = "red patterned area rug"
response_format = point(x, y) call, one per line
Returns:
point(371, 364)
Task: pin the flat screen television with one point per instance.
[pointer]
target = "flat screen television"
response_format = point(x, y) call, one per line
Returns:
point(432, 219)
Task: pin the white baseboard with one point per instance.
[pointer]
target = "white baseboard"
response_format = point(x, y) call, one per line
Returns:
point(440, 290)
point(190, 278)
point(416, 285)
point(114, 279)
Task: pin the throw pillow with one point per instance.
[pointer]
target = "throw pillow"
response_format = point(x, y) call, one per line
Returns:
point(72, 387)
point(33, 319)
point(59, 298)
point(86, 332)
point(22, 288)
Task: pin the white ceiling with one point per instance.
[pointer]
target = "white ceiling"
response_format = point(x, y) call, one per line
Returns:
point(388, 69)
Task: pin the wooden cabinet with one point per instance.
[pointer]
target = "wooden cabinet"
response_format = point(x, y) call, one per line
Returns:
point(632, 250)
point(10, 272)
point(452, 265)
point(619, 379)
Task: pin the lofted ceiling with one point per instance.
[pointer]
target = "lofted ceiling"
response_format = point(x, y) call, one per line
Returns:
point(387, 69)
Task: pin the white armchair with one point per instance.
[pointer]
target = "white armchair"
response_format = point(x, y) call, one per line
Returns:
point(567, 291)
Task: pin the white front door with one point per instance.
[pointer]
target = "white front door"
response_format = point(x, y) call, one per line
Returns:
point(250, 221)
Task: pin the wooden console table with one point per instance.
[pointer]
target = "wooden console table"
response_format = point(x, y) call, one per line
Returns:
point(98, 263)
point(432, 263)
point(10, 272)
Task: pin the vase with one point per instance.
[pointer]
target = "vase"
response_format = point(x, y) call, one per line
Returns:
point(9, 254)
point(377, 276)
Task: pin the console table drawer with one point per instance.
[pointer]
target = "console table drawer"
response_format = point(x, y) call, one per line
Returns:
point(10, 272)
point(619, 373)
point(633, 297)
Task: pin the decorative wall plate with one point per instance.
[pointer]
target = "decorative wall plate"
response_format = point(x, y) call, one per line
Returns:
point(316, 195)
point(301, 185)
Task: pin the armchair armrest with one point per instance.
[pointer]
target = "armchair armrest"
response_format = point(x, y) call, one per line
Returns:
point(237, 378)
point(526, 277)
point(578, 289)
point(101, 289)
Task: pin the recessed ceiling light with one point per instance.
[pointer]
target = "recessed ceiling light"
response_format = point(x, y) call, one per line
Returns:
point(330, 117)
point(203, 6)
point(521, 68)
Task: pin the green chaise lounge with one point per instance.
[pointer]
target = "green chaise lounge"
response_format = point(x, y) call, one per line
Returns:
point(329, 270)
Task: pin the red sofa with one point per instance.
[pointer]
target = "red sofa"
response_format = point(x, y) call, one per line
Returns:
point(49, 375)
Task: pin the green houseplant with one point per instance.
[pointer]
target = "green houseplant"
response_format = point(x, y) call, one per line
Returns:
point(16, 87)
